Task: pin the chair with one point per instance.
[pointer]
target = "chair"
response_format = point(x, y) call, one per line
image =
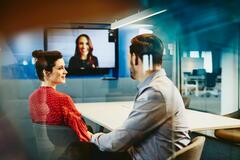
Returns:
point(210, 84)
point(192, 152)
point(52, 140)
point(194, 81)
point(198, 72)
point(189, 85)
point(186, 101)
point(230, 135)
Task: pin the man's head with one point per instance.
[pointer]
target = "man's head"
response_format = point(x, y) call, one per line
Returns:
point(144, 44)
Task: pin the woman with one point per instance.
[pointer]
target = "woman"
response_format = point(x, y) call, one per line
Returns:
point(48, 106)
point(83, 57)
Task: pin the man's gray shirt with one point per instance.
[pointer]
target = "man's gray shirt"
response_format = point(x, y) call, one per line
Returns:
point(155, 127)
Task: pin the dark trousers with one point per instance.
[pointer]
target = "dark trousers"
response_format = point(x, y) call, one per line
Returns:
point(89, 151)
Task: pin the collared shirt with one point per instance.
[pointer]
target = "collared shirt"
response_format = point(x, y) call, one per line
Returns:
point(156, 125)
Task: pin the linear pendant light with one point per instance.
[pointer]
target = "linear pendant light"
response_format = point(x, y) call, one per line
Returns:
point(137, 17)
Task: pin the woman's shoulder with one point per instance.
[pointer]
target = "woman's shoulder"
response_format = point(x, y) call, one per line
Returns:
point(94, 57)
point(65, 96)
point(62, 95)
point(34, 93)
point(73, 58)
point(48, 91)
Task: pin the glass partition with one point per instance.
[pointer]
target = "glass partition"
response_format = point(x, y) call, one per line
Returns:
point(209, 69)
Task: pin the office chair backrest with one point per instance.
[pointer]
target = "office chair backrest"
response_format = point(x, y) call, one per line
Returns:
point(52, 140)
point(201, 72)
point(210, 80)
point(198, 72)
point(61, 135)
point(194, 72)
point(192, 152)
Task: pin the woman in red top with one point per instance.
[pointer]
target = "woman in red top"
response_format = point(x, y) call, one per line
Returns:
point(48, 106)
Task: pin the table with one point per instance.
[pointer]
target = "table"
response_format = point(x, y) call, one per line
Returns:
point(111, 115)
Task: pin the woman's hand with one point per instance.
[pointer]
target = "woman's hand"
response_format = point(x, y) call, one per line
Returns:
point(89, 134)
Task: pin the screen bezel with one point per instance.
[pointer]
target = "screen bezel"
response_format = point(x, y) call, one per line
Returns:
point(97, 71)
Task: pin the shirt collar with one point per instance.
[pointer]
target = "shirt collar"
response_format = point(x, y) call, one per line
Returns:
point(150, 78)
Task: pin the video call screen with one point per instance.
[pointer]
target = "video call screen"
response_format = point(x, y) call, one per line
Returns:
point(63, 40)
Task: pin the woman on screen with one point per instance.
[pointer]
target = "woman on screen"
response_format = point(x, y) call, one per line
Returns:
point(47, 105)
point(83, 57)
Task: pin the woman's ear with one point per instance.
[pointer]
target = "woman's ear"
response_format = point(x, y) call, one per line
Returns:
point(46, 74)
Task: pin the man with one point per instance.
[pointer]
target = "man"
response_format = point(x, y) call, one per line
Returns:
point(156, 126)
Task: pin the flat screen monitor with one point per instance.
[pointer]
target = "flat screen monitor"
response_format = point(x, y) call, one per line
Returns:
point(103, 48)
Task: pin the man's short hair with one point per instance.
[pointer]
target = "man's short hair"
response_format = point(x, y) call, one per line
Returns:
point(147, 44)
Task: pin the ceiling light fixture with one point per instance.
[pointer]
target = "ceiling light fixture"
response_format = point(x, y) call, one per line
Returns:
point(137, 17)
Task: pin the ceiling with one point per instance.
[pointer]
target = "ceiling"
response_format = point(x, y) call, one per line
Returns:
point(16, 16)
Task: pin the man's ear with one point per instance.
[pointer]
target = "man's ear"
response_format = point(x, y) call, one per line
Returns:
point(134, 59)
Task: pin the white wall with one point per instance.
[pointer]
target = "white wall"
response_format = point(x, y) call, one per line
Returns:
point(229, 87)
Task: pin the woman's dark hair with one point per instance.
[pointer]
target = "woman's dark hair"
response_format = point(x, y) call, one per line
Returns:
point(77, 53)
point(45, 60)
point(147, 44)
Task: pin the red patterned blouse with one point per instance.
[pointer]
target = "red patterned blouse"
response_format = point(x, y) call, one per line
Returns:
point(48, 106)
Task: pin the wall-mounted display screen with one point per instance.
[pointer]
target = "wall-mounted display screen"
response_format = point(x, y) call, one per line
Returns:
point(85, 50)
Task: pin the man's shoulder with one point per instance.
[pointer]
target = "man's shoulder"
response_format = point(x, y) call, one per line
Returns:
point(159, 85)
point(162, 82)
point(150, 92)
